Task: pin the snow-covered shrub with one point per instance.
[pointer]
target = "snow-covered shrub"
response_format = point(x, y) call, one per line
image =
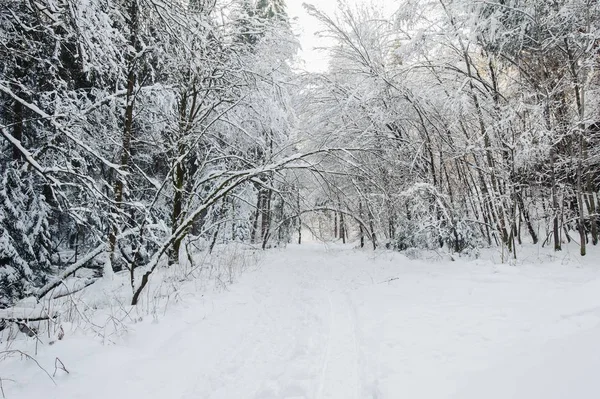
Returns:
point(461, 236)
point(407, 236)
point(430, 222)
point(25, 242)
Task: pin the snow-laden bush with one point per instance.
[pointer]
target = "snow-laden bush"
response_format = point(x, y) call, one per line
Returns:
point(25, 242)
point(429, 221)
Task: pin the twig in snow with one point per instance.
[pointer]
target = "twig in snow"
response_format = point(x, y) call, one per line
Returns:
point(27, 356)
point(2, 386)
point(58, 364)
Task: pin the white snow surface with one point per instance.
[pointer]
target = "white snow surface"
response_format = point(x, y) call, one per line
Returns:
point(325, 322)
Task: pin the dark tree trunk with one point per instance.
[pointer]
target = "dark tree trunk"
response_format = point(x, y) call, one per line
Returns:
point(360, 225)
point(266, 217)
point(178, 183)
point(527, 218)
point(128, 121)
point(335, 225)
point(556, 228)
point(299, 217)
point(257, 214)
point(17, 128)
point(342, 228)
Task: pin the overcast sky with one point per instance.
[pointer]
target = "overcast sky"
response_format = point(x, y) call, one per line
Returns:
point(306, 27)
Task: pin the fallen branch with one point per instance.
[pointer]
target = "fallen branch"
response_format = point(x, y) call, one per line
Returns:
point(70, 270)
point(24, 322)
point(74, 291)
point(26, 319)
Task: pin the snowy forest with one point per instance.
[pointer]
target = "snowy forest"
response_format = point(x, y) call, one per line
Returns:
point(132, 128)
point(142, 138)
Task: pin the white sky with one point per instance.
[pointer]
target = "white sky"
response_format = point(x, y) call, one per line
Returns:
point(306, 27)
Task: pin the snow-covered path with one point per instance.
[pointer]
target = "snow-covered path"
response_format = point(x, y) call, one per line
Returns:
point(323, 323)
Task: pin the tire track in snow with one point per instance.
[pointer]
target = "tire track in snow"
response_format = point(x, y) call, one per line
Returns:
point(340, 370)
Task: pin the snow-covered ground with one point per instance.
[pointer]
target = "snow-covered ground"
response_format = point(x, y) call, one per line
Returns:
point(319, 322)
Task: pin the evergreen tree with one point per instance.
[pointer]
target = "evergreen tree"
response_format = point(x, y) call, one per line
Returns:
point(25, 237)
point(272, 10)
point(247, 29)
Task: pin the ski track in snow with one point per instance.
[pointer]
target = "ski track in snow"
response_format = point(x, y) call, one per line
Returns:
point(340, 376)
point(316, 323)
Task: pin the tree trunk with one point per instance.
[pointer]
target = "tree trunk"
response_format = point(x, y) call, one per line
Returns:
point(557, 243)
point(372, 228)
point(580, 101)
point(335, 225)
point(17, 129)
point(591, 205)
point(128, 122)
point(360, 226)
point(582, 233)
point(178, 182)
point(257, 214)
point(266, 217)
point(342, 228)
point(299, 217)
point(527, 218)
